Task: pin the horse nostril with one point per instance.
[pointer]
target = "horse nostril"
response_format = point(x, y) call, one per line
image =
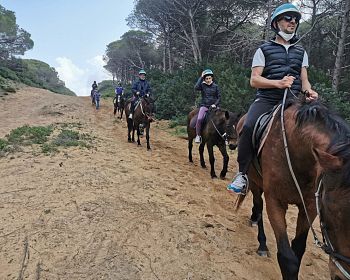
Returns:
point(232, 146)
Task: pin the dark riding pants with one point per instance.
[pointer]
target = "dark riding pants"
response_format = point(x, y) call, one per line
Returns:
point(245, 146)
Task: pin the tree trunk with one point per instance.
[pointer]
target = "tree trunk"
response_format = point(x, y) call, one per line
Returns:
point(268, 21)
point(341, 46)
point(195, 44)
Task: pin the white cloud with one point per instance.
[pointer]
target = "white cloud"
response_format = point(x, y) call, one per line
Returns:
point(78, 79)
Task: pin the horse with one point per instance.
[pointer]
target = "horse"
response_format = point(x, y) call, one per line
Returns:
point(314, 151)
point(219, 129)
point(142, 116)
point(92, 95)
point(119, 103)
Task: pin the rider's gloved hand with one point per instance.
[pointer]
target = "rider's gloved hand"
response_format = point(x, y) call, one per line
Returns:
point(137, 93)
point(147, 94)
point(213, 106)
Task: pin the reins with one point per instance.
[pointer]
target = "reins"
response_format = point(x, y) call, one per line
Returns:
point(223, 136)
point(326, 246)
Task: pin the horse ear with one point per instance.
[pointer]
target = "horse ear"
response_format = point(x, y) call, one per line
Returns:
point(227, 115)
point(326, 160)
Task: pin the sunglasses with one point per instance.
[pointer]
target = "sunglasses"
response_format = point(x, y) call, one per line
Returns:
point(289, 18)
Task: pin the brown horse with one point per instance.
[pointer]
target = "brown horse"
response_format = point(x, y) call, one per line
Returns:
point(142, 116)
point(119, 103)
point(219, 129)
point(319, 148)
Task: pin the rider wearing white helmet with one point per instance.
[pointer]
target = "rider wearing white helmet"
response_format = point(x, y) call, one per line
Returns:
point(211, 97)
point(140, 88)
point(277, 65)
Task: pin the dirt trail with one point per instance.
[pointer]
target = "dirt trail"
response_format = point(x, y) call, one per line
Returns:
point(117, 211)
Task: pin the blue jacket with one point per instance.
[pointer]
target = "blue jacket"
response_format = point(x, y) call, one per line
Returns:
point(210, 94)
point(141, 86)
point(119, 90)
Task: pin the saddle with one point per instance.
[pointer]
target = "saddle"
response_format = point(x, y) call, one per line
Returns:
point(204, 122)
point(261, 131)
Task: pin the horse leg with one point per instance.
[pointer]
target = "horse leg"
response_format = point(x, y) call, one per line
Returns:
point(226, 158)
point(257, 218)
point(302, 230)
point(138, 136)
point(288, 262)
point(133, 133)
point(201, 154)
point(121, 113)
point(190, 146)
point(211, 160)
point(129, 129)
point(147, 135)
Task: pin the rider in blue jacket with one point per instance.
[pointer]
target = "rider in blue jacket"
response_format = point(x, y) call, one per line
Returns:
point(140, 88)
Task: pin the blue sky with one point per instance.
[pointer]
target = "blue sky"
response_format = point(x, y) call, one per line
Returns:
point(71, 35)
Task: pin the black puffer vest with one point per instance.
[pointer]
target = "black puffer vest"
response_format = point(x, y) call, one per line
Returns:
point(280, 63)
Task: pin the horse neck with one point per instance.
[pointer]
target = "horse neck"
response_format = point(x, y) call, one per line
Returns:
point(307, 136)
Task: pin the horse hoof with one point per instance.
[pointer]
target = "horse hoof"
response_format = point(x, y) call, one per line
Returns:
point(253, 223)
point(214, 176)
point(263, 253)
point(222, 177)
point(204, 166)
point(129, 140)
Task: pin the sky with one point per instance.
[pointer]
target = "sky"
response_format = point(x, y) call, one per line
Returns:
point(72, 35)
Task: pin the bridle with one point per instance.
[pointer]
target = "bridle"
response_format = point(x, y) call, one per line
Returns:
point(222, 135)
point(146, 114)
point(326, 245)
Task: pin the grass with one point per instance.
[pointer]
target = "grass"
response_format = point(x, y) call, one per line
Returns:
point(40, 135)
point(3, 144)
point(27, 135)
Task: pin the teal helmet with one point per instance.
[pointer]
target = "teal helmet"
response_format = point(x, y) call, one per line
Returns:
point(284, 8)
point(207, 72)
point(142, 72)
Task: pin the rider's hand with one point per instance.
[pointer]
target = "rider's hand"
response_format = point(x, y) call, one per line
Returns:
point(310, 94)
point(138, 93)
point(286, 82)
point(213, 106)
point(147, 95)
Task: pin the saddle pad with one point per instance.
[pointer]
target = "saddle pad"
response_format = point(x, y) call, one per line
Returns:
point(262, 128)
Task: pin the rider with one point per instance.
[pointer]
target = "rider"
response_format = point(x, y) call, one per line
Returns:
point(140, 88)
point(211, 98)
point(94, 85)
point(119, 90)
point(277, 65)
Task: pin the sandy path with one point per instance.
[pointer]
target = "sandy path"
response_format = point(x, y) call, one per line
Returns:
point(118, 211)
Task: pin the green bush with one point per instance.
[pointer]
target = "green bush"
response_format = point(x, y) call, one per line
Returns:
point(3, 144)
point(27, 135)
point(67, 138)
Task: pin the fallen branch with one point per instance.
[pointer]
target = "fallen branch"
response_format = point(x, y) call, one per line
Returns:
point(25, 257)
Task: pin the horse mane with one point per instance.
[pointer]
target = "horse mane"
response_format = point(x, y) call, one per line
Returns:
point(320, 116)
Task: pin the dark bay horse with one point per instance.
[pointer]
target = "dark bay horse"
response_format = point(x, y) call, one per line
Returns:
point(119, 103)
point(319, 150)
point(142, 116)
point(92, 95)
point(219, 128)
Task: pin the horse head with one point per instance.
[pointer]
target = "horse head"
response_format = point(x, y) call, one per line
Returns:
point(333, 203)
point(330, 136)
point(227, 122)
